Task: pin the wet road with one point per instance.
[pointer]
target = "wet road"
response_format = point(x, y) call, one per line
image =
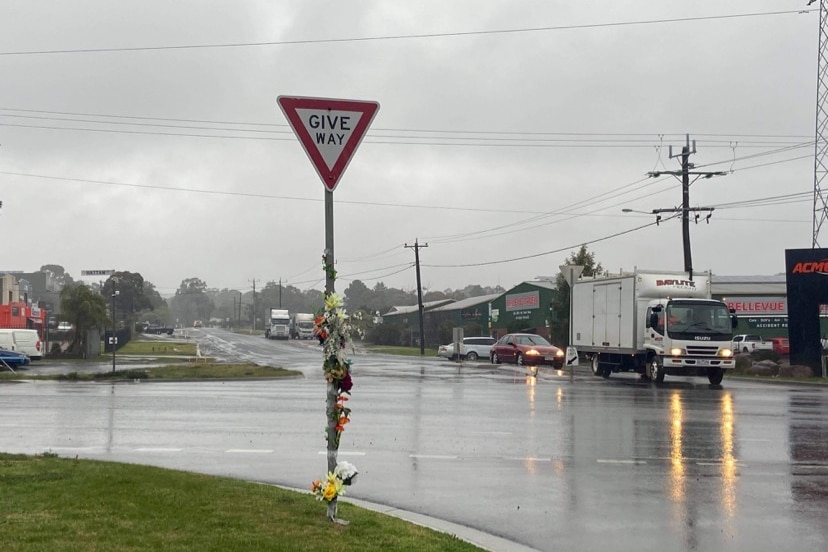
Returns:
point(551, 461)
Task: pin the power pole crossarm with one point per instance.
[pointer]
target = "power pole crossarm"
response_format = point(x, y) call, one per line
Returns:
point(416, 247)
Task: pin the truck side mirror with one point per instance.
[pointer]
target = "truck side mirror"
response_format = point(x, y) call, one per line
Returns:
point(653, 320)
point(734, 321)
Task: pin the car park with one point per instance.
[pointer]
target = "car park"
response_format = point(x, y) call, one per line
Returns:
point(781, 345)
point(526, 349)
point(472, 348)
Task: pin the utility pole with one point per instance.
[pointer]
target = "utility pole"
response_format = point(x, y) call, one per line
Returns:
point(254, 303)
point(416, 247)
point(820, 215)
point(280, 293)
point(685, 209)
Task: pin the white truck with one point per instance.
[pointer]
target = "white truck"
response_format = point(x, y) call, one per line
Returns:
point(301, 325)
point(749, 343)
point(279, 327)
point(653, 323)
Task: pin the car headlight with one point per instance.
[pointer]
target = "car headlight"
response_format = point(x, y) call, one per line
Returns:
point(532, 352)
point(677, 351)
point(559, 353)
point(725, 352)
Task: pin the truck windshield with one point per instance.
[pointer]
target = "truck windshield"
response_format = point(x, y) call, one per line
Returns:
point(280, 320)
point(687, 320)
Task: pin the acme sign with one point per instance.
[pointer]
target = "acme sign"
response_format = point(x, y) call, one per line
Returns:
point(815, 267)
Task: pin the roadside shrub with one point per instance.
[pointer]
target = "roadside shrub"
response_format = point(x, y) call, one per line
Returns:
point(758, 356)
point(743, 363)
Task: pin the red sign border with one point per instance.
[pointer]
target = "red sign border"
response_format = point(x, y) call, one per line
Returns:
point(330, 177)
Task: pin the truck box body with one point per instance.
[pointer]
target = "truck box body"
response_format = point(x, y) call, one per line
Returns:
point(608, 312)
point(651, 322)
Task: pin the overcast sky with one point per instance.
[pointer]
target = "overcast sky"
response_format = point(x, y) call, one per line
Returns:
point(145, 136)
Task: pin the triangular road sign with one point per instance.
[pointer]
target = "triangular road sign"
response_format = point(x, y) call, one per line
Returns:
point(329, 130)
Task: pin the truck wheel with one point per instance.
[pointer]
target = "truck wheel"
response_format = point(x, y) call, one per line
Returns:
point(715, 375)
point(656, 370)
point(596, 369)
point(471, 356)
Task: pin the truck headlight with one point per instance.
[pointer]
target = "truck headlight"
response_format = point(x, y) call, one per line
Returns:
point(677, 351)
point(726, 353)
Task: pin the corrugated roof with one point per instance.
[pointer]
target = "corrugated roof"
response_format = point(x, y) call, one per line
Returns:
point(748, 285)
point(469, 302)
point(406, 309)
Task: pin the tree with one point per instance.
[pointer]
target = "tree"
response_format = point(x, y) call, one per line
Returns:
point(559, 309)
point(357, 296)
point(62, 278)
point(191, 301)
point(130, 297)
point(84, 308)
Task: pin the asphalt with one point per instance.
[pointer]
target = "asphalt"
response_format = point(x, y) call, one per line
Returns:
point(481, 539)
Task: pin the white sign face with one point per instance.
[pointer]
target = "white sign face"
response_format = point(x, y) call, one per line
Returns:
point(329, 130)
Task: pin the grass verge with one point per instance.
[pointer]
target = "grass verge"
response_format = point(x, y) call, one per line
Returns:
point(206, 370)
point(152, 347)
point(58, 504)
point(404, 351)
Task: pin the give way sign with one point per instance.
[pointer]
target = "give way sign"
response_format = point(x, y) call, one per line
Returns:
point(330, 131)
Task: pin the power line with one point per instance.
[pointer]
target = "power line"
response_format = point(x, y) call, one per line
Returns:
point(535, 255)
point(406, 37)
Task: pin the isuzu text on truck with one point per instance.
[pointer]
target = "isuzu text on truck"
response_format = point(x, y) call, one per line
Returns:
point(653, 323)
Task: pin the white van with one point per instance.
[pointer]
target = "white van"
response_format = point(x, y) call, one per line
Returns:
point(22, 341)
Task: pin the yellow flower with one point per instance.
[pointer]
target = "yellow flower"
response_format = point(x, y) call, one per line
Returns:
point(330, 492)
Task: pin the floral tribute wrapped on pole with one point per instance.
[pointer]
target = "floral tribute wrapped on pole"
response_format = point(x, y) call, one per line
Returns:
point(332, 328)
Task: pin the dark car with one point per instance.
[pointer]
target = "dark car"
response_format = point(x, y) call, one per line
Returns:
point(12, 359)
point(526, 349)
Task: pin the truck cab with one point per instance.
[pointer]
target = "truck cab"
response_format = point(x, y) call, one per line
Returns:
point(689, 334)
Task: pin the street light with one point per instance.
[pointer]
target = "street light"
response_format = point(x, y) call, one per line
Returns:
point(113, 340)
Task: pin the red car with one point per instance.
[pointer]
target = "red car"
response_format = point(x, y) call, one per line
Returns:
point(781, 345)
point(526, 349)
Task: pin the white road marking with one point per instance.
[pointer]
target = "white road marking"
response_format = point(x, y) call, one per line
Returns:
point(631, 461)
point(433, 456)
point(150, 449)
point(527, 459)
point(249, 451)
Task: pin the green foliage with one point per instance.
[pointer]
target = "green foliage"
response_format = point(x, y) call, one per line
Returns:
point(559, 309)
point(743, 362)
point(191, 302)
point(84, 308)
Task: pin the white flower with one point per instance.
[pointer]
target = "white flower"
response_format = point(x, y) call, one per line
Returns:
point(345, 472)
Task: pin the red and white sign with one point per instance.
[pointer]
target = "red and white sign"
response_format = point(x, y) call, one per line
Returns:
point(329, 130)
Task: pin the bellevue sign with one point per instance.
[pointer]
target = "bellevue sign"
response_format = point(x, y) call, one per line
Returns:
point(330, 131)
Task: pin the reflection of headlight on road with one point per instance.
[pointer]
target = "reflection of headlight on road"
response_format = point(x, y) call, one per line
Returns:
point(725, 353)
point(532, 352)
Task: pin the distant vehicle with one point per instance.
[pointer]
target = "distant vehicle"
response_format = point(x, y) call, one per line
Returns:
point(781, 345)
point(12, 359)
point(472, 348)
point(64, 326)
point(748, 343)
point(157, 329)
point(197, 324)
point(22, 341)
point(279, 327)
point(526, 349)
point(301, 325)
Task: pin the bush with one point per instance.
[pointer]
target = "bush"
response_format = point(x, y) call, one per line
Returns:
point(743, 363)
point(758, 356)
